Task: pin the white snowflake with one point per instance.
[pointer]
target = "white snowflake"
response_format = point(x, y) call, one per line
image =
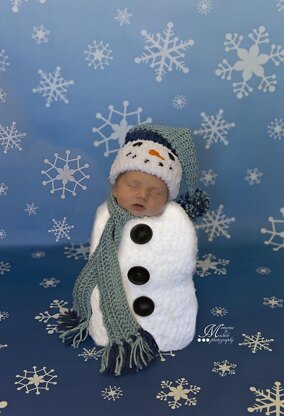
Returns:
point(263, 270)
point(280, 5)
point(164, 52)
point(4, 315)
point(224, 368)
point(3, 233)
point(270, 400)
point(175, 394)
point(115, 127)
point(40, 34)
point(214, 129)
point(112, 393)
point(3, 403)
point(52, 86)
point(219, 311)
point(204, 6)
point(99, 55)
point(78, 251)
point(51, 282)
point(274, 233)
point(211, 265)
point(65, 172)
point(123, 16)
point(3, 189)
point(10, 137)
point(253, 176)
point(273, 302)
point(162, 355)
point(38, 254)
point(276, 129)
point(61, 229)
point(92, 354)
point(216, 224)
point(31, 209)
point(4, 267)
point(251, 62)
point(3, 96)
point(208, 177)
point(256, 342)
point(36, 380)
point(51, 319)
point(179, 102)
point(17, 3)
point(3, 61)
point(3, 346)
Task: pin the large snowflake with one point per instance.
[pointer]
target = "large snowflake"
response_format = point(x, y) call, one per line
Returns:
point(3, 404)
point(61, 229)
point(251, 62)
point(164, 52)
point(3, 61)
point(52, 86)
point(36, 380)
point(98, 55)
point(115, 127)
point(175, 393)
point(214, 129)
point(209, 264)
point(256, 342)
point(17, 3)
point(270, 400)
point(51, 319)
point(276, 129)
point(277, 237)
point(77, 251)
point(216, 224)
point(10, 137)
point(65, 174)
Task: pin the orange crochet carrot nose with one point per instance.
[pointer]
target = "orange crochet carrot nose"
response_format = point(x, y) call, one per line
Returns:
point(154, 152)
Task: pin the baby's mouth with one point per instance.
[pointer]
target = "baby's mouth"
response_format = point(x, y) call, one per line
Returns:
point(138, 207)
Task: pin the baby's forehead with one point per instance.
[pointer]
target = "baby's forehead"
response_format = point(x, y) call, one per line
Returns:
point(139, 176)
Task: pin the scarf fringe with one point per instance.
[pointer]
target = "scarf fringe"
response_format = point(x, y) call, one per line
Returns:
point(72, 329)
point(129, 356)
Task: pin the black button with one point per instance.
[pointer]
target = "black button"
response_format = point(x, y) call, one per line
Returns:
point(138, 275)
point(143, 306)
point(141, 234)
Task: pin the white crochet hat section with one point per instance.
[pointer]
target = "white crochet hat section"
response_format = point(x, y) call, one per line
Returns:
point(148, 157)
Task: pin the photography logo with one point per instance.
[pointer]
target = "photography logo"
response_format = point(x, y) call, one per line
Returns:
point(218, 333)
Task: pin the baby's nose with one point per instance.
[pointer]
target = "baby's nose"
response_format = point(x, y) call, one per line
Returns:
point(142, 193)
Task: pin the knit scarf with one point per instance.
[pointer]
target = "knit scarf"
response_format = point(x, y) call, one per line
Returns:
point(130, 348)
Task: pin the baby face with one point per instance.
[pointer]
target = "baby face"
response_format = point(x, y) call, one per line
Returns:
point(140, 194)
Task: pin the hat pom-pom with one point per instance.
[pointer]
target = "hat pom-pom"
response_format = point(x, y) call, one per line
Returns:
point(195, 207)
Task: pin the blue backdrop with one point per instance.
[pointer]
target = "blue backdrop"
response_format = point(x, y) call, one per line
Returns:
point(74, 77)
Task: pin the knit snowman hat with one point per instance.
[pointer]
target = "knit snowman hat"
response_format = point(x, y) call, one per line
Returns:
point(169, 154)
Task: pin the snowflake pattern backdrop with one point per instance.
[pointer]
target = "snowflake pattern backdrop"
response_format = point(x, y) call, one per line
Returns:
point(74, 78)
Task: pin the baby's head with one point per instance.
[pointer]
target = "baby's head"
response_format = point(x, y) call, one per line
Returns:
point(148, 169)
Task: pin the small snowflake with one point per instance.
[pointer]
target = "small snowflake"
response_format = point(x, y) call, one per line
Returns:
point(162, 355)
point(274, 233)
point(10, 137)
point(99, 55)
point(179, 102)
point(52, 282)
point(36, 380)
point(38, 254)
point(51, 319)
point(3, 233)
point(4, 315)
point(112, 393)
point(3, 189)
point(214, 129)
point(280, 5)
point(61, 229)
point(77, 251)
point(3, 346)
point(263, 270)
point(4, 267)
point(3, 403)
point(31, 209)
point(256, 342)
point(92, 354)
point(123, 16)
point(216, 224)
point(17, 3)
point(211, 265)
point(204, 6)
point(219, 311)
point(208, 177)
point(164, 52)
point(276, 129)
point(67, 172)
point(3, 61)
point(3, 96)
point(178, 393)
point(115, 127)
point(270, 400)
point(224, 368)
point(273, 302)
point(40, 34)
point(253, 176)
point(52, 86)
